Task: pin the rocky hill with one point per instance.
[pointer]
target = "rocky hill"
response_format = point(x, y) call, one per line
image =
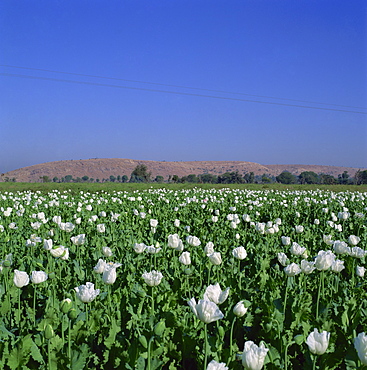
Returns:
point(102, 169)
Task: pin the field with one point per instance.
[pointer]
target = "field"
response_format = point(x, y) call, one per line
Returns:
point(130, 276)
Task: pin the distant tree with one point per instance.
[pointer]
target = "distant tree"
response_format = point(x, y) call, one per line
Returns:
point(286, 178)
point(192, 178)
point(112, 178)
point(55, 179)
point(208, 178)
point(140, 174)
point(124, 178)
point(97, 180)
point(85, 178)
point(45, 178)
point(159, 179)
point(175, 178)
point(343, 178)
point(78, 179)
point(308, 177)
point(230, 178)
point(360, 177)
point(327, 179)
point(91, 179)
point(118, 178)
point(68, 178)
point(249, 178)
point(265, 179)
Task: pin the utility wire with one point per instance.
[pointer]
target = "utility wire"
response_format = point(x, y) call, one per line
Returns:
point(175, 92)
point(177, 86)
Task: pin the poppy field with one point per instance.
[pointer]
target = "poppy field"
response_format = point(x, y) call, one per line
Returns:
point(183, 279)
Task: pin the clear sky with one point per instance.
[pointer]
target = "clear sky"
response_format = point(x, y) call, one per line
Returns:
point(217, 60)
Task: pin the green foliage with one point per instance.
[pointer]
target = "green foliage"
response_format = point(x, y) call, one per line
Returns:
point(286, 178)
point(140, 174)
point(308, 177)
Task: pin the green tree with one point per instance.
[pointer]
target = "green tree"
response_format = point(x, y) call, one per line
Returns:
point(208, 178)
point(286, 178)
point(265, 179)
point(112, 178)
point(308, 177)
point(175, 178)
point(55, 179)
point(230, 178)
point(68, 178)
point(360, 177)
point(159, 179)
point(85, 178)
point(327, 179)
point(192, 178)
point(124, 178)
point(45, 178)
point(343, 178)
point(140, 174)
point(249, 178)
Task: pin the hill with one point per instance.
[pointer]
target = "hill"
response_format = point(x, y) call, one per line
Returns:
point(102, 168)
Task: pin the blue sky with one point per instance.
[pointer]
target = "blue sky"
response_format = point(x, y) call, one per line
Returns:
point(304, 52)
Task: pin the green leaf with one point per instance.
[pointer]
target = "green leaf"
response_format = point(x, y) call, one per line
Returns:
point(79, 358)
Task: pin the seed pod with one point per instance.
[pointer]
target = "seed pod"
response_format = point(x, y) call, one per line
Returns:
point(49, 332)
point(221, 331)
point(160, 328)
point(6, 263)
point(268, 326)
point(187, 271)
point(143, 341)
point(72, 314)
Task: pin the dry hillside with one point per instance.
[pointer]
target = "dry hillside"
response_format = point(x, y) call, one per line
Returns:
point(102, 168)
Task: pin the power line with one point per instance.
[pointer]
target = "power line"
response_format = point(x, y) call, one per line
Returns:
point(175, 92)
point(177, 86)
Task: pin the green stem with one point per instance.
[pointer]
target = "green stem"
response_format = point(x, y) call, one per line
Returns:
point(230, 343)
point(109, 300)
point(49, 353)
point(149, 344)
point(206, 346)
point(34, 304)
point(86, 313)
point(318, 294)
point(69, 342)
point(314, 362)
point(209, 269)
point(18, 313)
point(240, 275)
point(152, 296)
point(286, 355)
point(286, 296)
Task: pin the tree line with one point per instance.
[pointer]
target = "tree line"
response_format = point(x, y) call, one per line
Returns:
point(141, 175)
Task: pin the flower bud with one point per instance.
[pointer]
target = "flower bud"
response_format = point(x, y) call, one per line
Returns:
point(66, 305)
point(240, 309)
point(49, 332)
point(72, 314)
point(160, 328)
point(143, 341)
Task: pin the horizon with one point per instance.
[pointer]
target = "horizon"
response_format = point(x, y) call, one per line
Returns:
point(164, 161)
point(272, 82)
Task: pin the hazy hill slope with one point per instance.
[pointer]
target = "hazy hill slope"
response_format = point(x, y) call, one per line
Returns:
point(102, 168)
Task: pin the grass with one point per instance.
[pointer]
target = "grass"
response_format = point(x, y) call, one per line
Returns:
point(129, 187)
